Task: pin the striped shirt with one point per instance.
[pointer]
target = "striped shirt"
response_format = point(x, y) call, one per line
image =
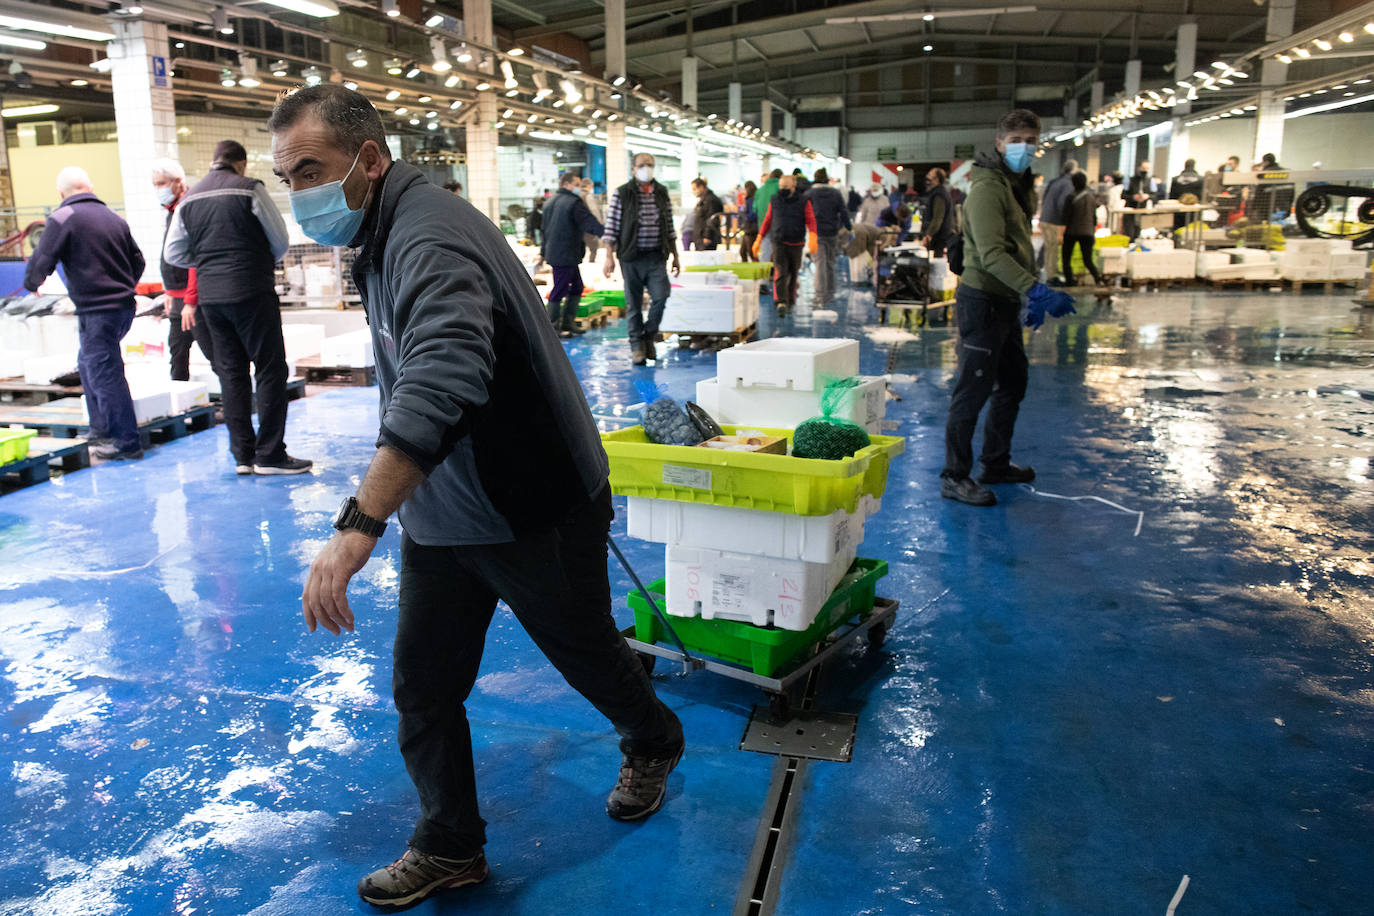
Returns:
point(648, 219)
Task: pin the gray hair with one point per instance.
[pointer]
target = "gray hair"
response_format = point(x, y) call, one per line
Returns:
point(1070, 166)
point(347, 114)
point(73, 180)
point(169, 169)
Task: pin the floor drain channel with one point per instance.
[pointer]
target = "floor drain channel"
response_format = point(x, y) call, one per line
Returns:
point(763, 878)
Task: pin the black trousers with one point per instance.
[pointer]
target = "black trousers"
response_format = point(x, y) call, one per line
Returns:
point(556, 585)
point(1085, 245)
point(992, 366)
point(787, 261)
point(242, 333)
point(179, 342)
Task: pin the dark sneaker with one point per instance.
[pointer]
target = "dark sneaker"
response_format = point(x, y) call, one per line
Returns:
point(243, 470)
point(414, 876)
point(287, 465)
point(965, 490)
point(1006, 473)
point(108, 451)
point(637, 356)
point(650, 351)
point(642, 785)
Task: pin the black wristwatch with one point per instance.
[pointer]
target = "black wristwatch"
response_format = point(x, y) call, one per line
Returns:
point(351, 517)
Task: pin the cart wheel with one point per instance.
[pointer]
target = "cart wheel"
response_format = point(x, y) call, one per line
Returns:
point(648, 661)
point(779, 706)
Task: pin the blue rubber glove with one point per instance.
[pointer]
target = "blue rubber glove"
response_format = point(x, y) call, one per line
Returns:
point(1040, 300)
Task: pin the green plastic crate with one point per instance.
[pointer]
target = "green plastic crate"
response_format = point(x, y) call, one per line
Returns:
point(762, 649)
point(745, 270)
point(747, 480)
point(590, 304)
point(14, 444)
point(612, 298)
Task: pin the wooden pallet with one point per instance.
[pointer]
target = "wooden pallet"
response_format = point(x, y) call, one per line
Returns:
point(19, 391)
point(357, 376)
point(1327, 286)
point(597, 320)
point(1242, 285)
point(63, 419)
point(1138, 285)
point(46, 455)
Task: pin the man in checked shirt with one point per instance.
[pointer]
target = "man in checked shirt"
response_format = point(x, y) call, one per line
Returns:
point(639, 231)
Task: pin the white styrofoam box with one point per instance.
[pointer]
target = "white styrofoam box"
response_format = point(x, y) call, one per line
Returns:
point(302, 340)
point(41, 370)
point(784, 408)
point(1210, 259)
point(186, 395)
point(1158, 244)
point(1251, 255)
point(353, 349)
point(1304, 273)
point(204, 376)
point(1307, 246)
point(1113, 260)
point(702, 258)
point(12, 362)
point(148, 404)
point(1356, 260)
point(1289, 261)
point(1243, 272)
point(814, 539)
point(799, 363)
point(764, 591)
point(1161, 265)
point(1340, 246)
point(705, 310)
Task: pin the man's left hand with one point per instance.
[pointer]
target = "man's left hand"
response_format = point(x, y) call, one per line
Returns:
point(325, 598)
point(677, 264)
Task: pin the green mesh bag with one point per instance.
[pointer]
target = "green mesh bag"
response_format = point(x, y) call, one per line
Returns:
point(825, 436)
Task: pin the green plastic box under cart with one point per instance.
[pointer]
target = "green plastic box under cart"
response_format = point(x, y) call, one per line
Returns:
point(762, 649)
point(747, 480)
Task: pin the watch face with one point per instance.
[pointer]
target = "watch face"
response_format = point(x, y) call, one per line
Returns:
point(343, 511)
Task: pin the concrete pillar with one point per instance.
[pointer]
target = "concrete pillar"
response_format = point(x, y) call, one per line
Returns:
point(1099, 93)
point(789, 125)
point(1127, 161)
point(736, 102)
point(1185, 61)
point(689, 82)
point(484, 184)
point(1273, 74)
point(617, 156)
point(766, 116)
point(689, 171)
point(147, 127)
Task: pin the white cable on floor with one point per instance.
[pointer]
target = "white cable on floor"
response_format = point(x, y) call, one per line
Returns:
point(97, 574)
point(1178, 895)
point(1140, 516)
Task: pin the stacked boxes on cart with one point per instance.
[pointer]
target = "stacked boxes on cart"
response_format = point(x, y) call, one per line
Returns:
point(710, 301)
point(768, 551)
point(1323, 259)
point(1301, 260)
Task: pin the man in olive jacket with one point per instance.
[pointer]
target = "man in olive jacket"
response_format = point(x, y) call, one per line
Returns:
point(998, 290)
point(467, 365)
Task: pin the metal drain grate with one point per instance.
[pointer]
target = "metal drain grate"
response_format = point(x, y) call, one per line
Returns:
point(806, 734)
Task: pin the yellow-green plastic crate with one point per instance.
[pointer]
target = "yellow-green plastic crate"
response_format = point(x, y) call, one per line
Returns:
point(745, 270)
point(762, 649)
point(747, 480)
point(14, 444)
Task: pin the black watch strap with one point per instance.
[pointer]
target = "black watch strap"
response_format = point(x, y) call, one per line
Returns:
point(350, 517)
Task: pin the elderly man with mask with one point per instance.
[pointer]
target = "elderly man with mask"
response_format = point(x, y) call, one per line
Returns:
point(998, 292)
point(874, 203)
point(467, 364)
point(179, 283)
point(639, 231)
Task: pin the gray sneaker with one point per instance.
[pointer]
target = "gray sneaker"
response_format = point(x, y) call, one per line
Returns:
point(414, 876)
point(642, 785)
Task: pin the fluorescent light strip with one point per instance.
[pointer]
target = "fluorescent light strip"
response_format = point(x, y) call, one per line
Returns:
point(1329, 106)
point(30, 44)
point(25, 24)
point(320, 9)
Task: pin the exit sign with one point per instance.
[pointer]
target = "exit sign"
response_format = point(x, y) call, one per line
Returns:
point(886, 153)
point(964, 151)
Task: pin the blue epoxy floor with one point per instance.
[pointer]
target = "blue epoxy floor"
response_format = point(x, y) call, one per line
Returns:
point(1077, 718)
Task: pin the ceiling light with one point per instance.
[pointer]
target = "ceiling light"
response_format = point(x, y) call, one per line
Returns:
point(320, 9)
point(390, 8)
point(350, 86)
point(570, 92)
point(1346, 37)
point(557, 103)
point(1183, 85)
point(219, 17)
point(424, 98)
point(393, 95)
point(516, 52)
point(508, 112)
point(312, 76)
point(455, 105)
point(453, 80)
point(1285, 58)
point(435, 21)
point(508, 72)
point(483, 86)
point(1220, 66)
point(252, 82)
point(413, 72)
point(357, 58)
point(28, 24)
point(402, 110)
point(549, 120)
point(279, 69)
point(27, 110)
point(1302, 52)
point(29, 44)
point(1369, 27)
point(226, 79)
point(928, 48)
point(1323, 44)
point(395, 66)
point(440, 54)
point(618, 81)
point(415, 122)
point(512, 93)
point(1200, 75)
point(464, 55)
point(433, 125)
point(500, 124)
point(520, 128)
point(79, 83)
point(1361, 82)
point(431, 114)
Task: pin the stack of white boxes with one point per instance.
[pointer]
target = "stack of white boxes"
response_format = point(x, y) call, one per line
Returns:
point(1160, 262)
point(1113, 259)
point(1237, 264)
point(711, 302)
point(713, 258)
point(764, 568)
point(353, 350)
point(1322, 260)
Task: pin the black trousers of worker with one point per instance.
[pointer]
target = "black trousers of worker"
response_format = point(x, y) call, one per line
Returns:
point(250, 332)
point(179, 342)
point(991, 366)
point(556, 585)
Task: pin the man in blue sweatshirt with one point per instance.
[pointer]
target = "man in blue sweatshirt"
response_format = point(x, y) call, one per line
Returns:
point(831, 211)
point(103, 266)
point(468, 365)
point(567, 224)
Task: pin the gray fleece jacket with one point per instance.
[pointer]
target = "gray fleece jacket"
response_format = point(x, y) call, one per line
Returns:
point(475, 387)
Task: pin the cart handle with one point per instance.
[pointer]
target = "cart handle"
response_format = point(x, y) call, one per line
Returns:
point(689, 661)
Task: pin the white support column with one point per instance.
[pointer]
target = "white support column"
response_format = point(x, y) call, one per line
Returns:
point(736, 102)
point(689, 82)
point(147, 127)
point(617, 156)
point(789, 125)
point(766, 116)
point(1127, 161)
point(1185, 61)
point(689, 171)
point(483, 140)
point(1273, 74)
point(1099, 93)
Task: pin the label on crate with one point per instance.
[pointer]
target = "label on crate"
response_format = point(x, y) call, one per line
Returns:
point(678, 476)
point(728, 592)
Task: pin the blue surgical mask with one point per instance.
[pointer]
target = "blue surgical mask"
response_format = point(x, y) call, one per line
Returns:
point(1017, 156)
point(323, 212)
